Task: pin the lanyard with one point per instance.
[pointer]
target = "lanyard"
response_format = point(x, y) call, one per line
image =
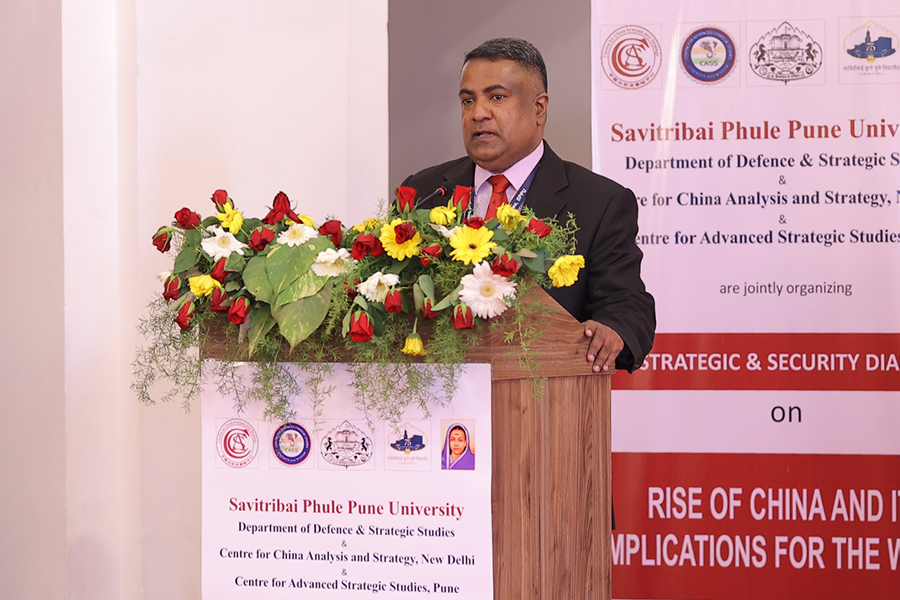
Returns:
point(518, 201)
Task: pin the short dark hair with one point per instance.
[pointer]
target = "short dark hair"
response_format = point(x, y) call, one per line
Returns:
point(518, 50)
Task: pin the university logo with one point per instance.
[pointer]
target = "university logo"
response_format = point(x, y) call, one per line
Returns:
point(237, 443)
point(291, 443)
point(408, 439)
point(631, 57)
point(870, 42)
point(785, 53)
point(708, 55)
point(346, 446)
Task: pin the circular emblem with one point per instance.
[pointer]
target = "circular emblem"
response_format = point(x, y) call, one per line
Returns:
point(291, 444)
point(631, 57)
point(708, 55)
point(236, 443)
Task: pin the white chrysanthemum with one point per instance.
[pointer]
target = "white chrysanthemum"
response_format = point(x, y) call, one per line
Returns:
point(376, 287)
point(447, 233)
point(331, 262)
point(222, 244)
point(297, 234)
point(487, 293)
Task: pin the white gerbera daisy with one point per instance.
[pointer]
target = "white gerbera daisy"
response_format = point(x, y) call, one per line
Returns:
point(376, 287)
point(222, 244)
point(447, 233)
point(487, 293)
point(297, 234)
point(331, 262)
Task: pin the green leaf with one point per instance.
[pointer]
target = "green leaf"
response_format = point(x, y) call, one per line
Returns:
point(209, 221)
point(235, 262)
point(538, 265)
point(232, 286)
point(345, 328)
point(306, 285)
point(285, 264)
point(298, 320)
point(500, 235)
point(449, 300)
point(192, 237)
point(526, 253)
point(418, 295)
point(427, 285)
point(360, 301)
point(261, 322)
point(256, 280)
point(186, 259)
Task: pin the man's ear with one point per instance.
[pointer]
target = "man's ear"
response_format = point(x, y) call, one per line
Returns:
point(540, 107)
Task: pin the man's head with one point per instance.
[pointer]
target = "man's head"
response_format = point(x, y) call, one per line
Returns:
point(503, 93)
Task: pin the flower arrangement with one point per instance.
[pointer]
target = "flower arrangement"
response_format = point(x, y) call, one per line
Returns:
point(295, 291)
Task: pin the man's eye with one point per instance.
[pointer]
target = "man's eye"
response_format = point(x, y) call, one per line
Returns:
point(498, 97)
point(467, 101)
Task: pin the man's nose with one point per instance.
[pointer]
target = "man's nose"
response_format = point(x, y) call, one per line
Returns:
point(480, 111)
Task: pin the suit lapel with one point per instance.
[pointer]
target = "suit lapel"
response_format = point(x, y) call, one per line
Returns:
point(550, 178)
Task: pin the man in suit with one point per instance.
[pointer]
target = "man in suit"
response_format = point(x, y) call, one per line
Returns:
point(503, 94)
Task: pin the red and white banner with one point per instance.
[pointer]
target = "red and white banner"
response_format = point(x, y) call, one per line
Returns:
point(755, 452)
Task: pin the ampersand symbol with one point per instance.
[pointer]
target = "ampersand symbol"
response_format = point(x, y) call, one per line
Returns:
point(344, 572)
point(343, 543)
point(805, 161)
point(753, 362)
point(781, 219)
point(781, 180)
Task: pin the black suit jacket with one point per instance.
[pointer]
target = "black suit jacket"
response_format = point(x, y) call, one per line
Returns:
point(609, 290)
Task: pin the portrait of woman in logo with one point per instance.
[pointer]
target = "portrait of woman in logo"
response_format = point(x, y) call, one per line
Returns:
point(458, 451)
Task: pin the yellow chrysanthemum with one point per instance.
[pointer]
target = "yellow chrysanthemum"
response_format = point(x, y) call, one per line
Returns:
point(231, 219)
point(564, 271)
point(443, 215)
point(303, 219)
point(370, 224)
point(414, 345)
point(399, 251)
point(202, 285)
point(509, 217)
point(471, 245)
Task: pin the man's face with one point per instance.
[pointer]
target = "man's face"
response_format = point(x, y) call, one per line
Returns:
point(503, 112)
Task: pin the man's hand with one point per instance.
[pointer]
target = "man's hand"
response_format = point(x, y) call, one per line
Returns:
point(604, 347)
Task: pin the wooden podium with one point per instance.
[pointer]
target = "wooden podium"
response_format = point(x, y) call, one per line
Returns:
point(551, 466)
point(551, 462)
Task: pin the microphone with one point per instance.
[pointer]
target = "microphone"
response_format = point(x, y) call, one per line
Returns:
point(444, 189)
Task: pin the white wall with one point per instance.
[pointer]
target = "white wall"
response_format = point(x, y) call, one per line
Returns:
point(116, 113)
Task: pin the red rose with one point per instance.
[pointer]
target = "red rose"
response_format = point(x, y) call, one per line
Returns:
point(538, 227)
point(461, 197)
point(218, 272)
point(237, 314)
point(406, 198)
point(430, 252)
point(366, 243)
point(185, 315)
point(218, 301)
point(505, 265)
point(404, 232)
point(281, 208)
point(260, 238)
point(172, 287)
point(220, 199)
point(462, 317)
point(187, 219)
point(333, 229)
point(162, 239)
point(474, 222)
point(427, 304)
point(393, 302)
point(361, 327)
point(351, 288)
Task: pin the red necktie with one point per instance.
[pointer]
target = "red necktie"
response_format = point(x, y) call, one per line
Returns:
point(498, 195)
